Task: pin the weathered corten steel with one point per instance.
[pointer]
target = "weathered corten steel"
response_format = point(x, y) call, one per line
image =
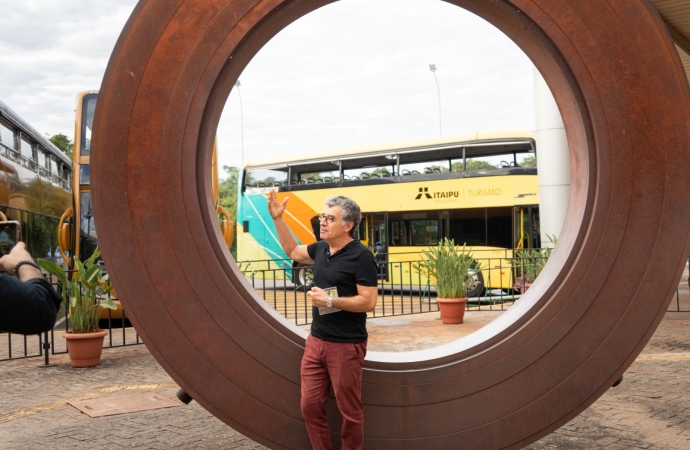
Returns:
point(624, 99)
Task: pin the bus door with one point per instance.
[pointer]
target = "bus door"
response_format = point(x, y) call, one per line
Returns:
point(376, 225)
point(526, 231)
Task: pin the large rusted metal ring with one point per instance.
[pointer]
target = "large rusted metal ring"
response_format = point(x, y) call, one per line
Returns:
point(624, 99)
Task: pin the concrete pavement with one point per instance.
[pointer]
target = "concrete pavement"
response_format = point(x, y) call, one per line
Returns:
point(649, 410)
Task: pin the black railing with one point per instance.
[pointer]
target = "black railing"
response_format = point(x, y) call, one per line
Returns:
point(681, 301)
point(29, 163)
point(402, 291)
point(18, 346)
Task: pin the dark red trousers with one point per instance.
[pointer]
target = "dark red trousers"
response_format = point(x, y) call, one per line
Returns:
point(336, 364)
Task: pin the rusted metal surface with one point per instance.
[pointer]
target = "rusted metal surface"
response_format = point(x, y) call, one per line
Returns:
point(618, 82)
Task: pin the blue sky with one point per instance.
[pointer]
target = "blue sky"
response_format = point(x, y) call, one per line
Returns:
point(350, 74)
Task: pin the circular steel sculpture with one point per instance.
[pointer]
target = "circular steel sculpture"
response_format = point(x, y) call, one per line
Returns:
point(624, 99)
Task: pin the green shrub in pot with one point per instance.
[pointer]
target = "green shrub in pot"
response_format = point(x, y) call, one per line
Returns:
point(85, 293)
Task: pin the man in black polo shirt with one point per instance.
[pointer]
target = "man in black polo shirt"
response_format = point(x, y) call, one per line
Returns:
point(345, 289)
point(28, 303)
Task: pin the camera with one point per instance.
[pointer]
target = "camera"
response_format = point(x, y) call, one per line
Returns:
point(10, 234)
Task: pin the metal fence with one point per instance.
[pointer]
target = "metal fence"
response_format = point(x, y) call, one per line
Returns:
point(28, 163)
point(18, 346)
point(681, 301)
point(402, 291)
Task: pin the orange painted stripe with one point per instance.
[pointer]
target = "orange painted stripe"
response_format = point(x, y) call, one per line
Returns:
point(299, 217)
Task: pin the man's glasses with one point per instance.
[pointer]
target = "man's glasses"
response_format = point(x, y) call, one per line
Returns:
point(329, 219)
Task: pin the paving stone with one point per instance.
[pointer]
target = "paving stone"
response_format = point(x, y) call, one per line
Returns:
point(649, 410)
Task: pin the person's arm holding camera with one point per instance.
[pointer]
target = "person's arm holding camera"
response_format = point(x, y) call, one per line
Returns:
point(28, 303)
point(25, 272)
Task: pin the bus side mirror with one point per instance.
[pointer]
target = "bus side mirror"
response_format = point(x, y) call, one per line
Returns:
point(226, 227)
point(227, 230)
point(64, 236)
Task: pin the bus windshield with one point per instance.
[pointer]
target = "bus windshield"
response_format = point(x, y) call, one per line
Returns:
point(88, 111)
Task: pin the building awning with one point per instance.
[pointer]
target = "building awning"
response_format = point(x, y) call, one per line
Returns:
point(676, 14)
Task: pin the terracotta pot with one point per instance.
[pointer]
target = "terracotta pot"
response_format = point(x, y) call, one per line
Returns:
point(452, 309)
point(85, 348)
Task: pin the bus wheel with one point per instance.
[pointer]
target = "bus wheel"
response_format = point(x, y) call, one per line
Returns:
point(303, 277)
point(476, 286)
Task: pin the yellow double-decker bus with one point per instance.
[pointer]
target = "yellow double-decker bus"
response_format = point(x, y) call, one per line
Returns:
point(77, 233)
point(479, 189)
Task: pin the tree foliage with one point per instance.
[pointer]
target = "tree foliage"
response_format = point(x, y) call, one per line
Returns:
point(473, 164)
point(528, 161)
point(381, 172)
point(63, 143)
point(85, 292)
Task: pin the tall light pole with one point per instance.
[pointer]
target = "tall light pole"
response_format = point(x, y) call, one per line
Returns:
point(432, 67)
point(238, 85)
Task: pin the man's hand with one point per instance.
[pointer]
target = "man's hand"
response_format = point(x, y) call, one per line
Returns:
point(293, 251)
point(17, 254)
point(318, 297)
point(275, 207)
point(364, 301)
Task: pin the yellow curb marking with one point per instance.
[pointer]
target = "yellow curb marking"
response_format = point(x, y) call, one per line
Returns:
point(57, 404)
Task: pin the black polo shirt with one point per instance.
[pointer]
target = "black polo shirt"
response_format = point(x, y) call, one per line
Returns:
point(345, 269)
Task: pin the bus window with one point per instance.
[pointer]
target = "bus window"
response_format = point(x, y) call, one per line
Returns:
point(424, 232)
point(526, 233)
point(477, 163)
point(499, 223)
point(89, 238)
point(467, 226)
point(84, 174)
point(41, 158)
point(495, 162)
point(26, 149)
point(318, 177)
point(535, 226)
point(368, 173)
point(87, 124)
point(355, 174)
point(399, 233)
point(263, 178)
point(429, 167)
point(361, 233)
point(414, 228)
point(481, 226)
point(377, 222)
point(7, 136)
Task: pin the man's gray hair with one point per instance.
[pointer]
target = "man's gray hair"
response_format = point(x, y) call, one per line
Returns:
point(351, 211)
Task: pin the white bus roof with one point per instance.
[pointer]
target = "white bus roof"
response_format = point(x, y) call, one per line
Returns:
point(400, 147)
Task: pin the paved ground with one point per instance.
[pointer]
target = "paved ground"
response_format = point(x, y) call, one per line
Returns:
point(650, 410)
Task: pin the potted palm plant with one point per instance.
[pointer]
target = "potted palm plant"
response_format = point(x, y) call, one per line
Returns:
point(83, 296)
point(529, 263)
point(451, 270)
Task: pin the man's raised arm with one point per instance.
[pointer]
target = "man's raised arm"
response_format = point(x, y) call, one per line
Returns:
point(276, 209)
